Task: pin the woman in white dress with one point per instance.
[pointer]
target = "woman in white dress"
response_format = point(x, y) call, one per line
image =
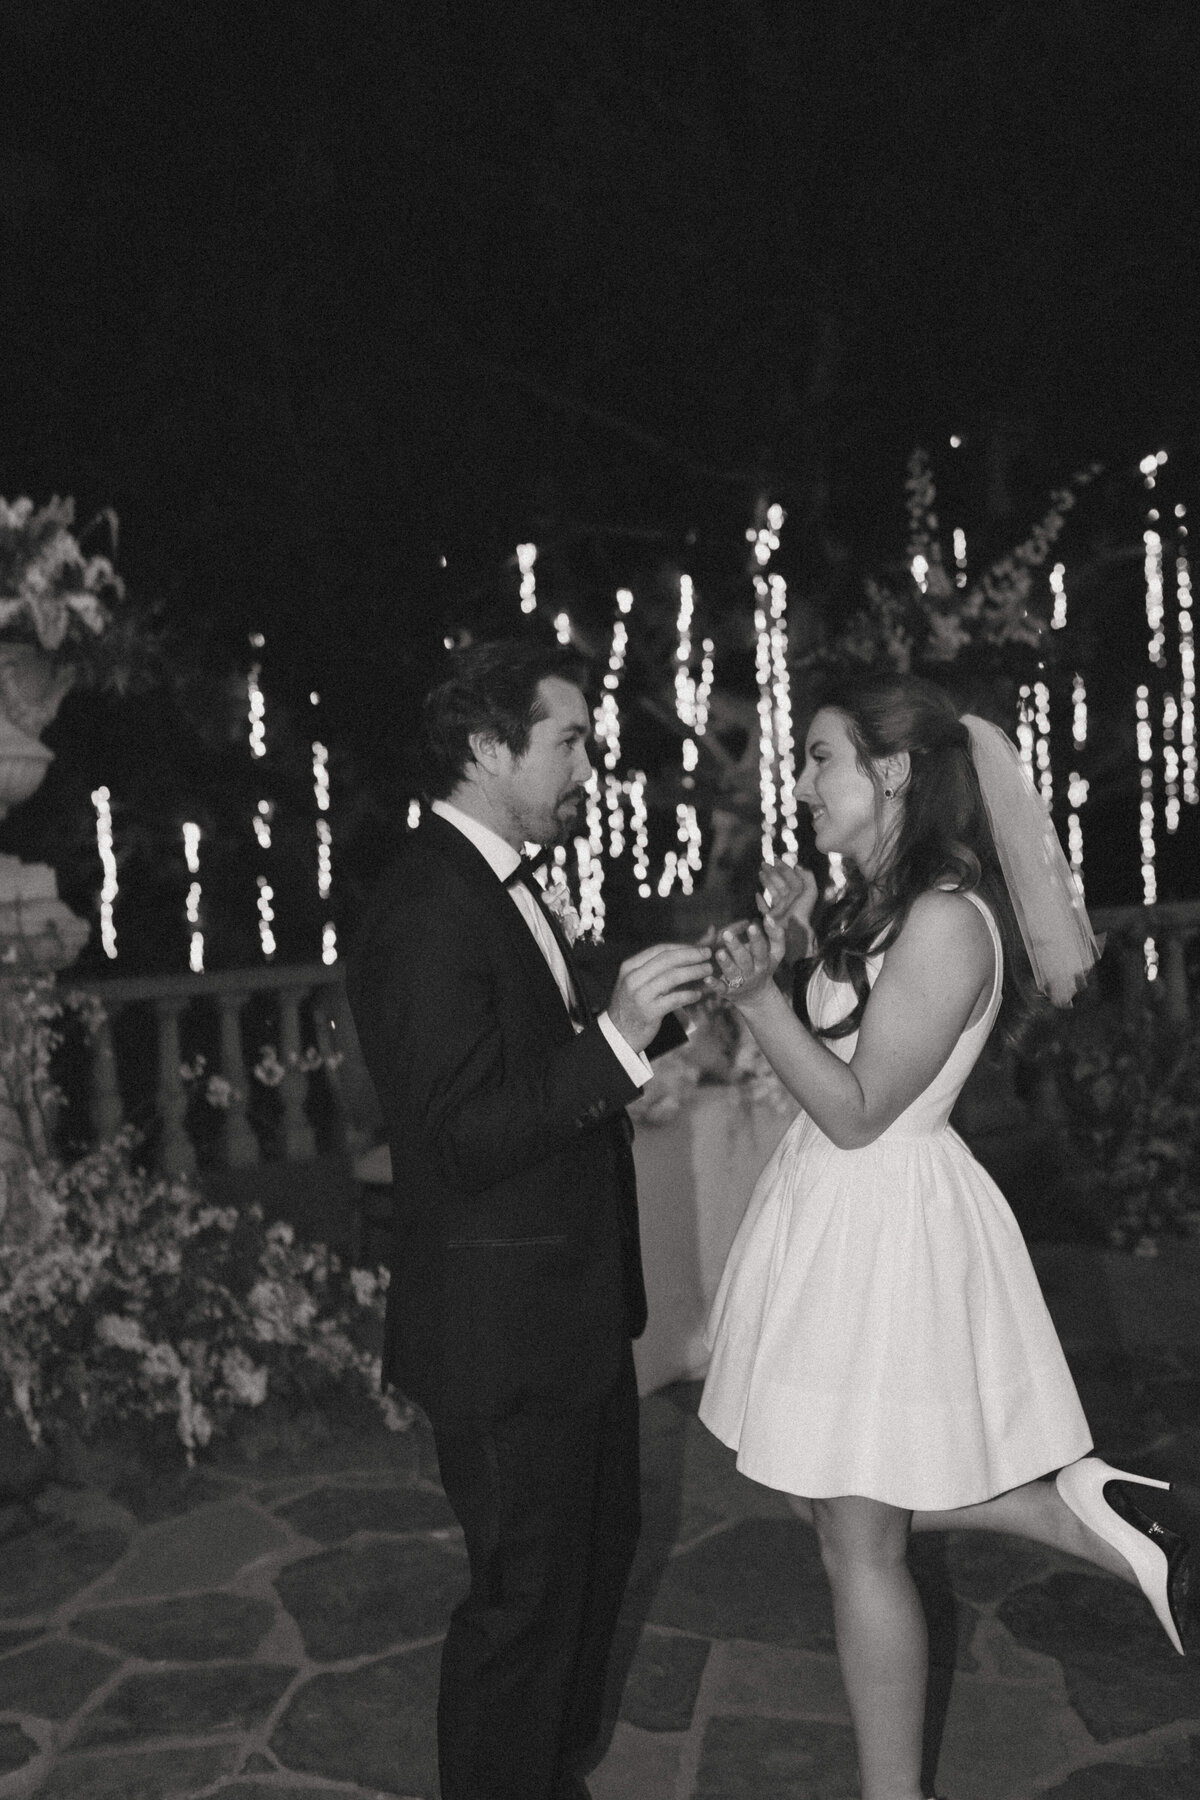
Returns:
point(880, 1344)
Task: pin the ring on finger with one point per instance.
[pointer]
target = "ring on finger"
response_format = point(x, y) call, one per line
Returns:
point(733, 982)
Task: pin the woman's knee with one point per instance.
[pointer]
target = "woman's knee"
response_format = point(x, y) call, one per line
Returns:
point(854, 1532)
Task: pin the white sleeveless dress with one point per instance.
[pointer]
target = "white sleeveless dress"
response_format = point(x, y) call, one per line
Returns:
point(879, 1328)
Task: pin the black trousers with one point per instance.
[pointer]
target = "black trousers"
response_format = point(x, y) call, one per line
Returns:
point(550, 1508)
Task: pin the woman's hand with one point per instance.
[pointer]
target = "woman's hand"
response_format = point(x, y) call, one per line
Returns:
point(788, 896)
point(746, 958)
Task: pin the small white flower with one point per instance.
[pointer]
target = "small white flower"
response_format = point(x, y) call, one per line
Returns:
point(219, 1092)
point(120, 1333)
point(246, 1380)
point(557, 897)
point(365, 1284)
point(268, 1069)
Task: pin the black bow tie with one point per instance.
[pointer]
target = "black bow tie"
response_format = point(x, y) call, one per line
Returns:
point(522, 872)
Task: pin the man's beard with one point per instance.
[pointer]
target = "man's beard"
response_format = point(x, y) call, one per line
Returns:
point(566, 821)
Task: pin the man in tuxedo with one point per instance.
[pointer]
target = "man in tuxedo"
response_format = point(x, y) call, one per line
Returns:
point(516, 1277)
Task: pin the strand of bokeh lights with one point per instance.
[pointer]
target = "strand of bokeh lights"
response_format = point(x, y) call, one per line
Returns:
point(1077, 785)
point(764, 541)
point(102, 801)
point(192, 905)
point(321, 797)
point(257, 731)
point(1187, 665)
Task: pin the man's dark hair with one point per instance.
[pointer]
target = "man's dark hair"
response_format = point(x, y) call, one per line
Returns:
point(491, 690)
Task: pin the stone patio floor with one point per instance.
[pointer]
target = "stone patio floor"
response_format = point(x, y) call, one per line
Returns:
point(270, 1630)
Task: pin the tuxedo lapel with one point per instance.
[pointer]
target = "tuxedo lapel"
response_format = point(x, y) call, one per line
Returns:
point(568, 955)
point(511, 929)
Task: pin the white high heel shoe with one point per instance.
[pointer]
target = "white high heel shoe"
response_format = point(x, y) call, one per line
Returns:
point(1160, 1559)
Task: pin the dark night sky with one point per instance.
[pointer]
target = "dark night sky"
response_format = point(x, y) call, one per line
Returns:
point(316, 292)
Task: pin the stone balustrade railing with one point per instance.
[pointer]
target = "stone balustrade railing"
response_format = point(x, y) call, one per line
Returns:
point(158, 1021)
point(166, 1037)
point(1174, 929)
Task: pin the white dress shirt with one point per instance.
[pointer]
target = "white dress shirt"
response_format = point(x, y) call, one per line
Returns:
point(502, 859)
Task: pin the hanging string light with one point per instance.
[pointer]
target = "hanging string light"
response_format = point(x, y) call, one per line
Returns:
point(589, 852)
point(606, 719)
point(102, 801)
point(191, 856)
point(683, 863)
point(264, 809)
point(1187, 665)
point(766, 713)
point(1077, 786)
point(785, 742)
point(685, 681)
point(1170, 757)
point(1041, 719)
point(764, 538)
point(1077, 793)
point(776, 750)
point(960, 557)
point(321, 796)
point(704, 686)
point(1145, 750)
point(1153, 568)
point(562, 627)
point(640, 832)
point(1058, 588)
point(414, 815)
point(256, 703)
point(1153, 564)
point(685, 686)
point(1025, 730)
point(266, 917)
point(526, 557)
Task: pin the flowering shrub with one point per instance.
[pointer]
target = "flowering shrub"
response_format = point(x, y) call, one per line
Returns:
point(1132, 1103)
point(268, 1071)
point(930, 616)
point(51, 593)
point(124, 1293)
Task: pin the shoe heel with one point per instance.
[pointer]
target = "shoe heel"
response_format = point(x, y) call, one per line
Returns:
point(1145, 1546)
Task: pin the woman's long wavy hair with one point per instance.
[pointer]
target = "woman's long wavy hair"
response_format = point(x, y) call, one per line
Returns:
point(942, 838)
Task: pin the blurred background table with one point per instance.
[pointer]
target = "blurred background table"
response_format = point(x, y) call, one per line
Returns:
point(695, 1172)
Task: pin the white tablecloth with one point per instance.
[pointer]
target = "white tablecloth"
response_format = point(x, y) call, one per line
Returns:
point(695, 1175)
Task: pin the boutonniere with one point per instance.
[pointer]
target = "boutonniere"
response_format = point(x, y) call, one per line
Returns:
point(556, 896)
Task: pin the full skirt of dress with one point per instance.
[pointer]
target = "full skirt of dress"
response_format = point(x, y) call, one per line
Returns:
point(879, 1330)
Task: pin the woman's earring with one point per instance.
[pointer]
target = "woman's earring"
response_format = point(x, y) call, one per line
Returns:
point(889, 793)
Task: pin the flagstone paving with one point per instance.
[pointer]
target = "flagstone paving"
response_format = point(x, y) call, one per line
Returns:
point(271, 1631)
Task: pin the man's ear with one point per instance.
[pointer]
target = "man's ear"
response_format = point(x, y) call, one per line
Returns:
point(485, 751)
point(894, 771)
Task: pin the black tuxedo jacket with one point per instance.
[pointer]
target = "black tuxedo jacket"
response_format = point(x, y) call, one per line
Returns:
point(516, 1274)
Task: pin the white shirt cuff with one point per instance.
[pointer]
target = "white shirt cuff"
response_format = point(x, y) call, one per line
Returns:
point(635, 1065)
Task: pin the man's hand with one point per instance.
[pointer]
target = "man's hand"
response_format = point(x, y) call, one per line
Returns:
point(653, 983)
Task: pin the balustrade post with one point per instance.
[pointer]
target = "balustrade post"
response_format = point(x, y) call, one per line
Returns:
point(1133, 981)
point(1174, 977)
point(239, 1142)
point(176, 1153)
point(298, 1142)
point(104, 1099)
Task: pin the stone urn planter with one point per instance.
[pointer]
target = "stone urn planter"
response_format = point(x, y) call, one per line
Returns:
point(36, 929)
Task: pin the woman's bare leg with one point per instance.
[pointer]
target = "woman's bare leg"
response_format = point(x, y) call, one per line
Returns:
point(882, 1644)
point(1035, 1512)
